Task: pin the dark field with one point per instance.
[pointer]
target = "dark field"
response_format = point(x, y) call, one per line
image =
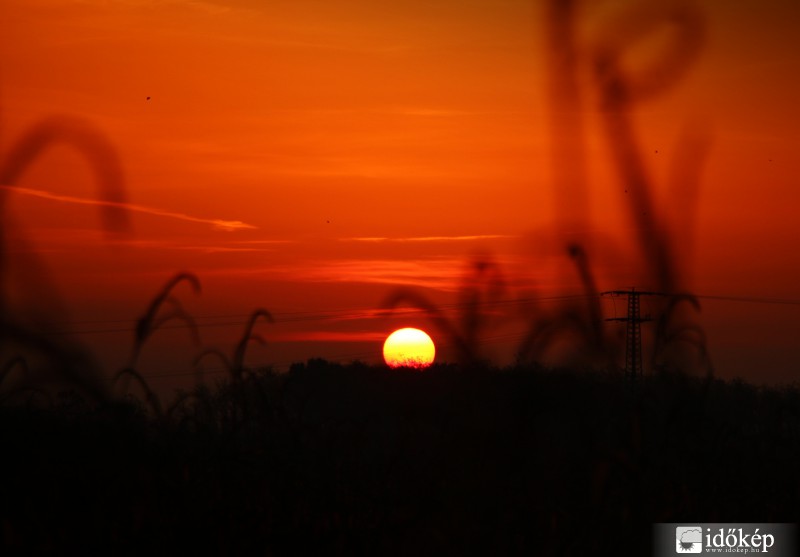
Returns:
point(343, 460)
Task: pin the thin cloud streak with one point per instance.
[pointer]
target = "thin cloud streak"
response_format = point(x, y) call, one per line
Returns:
point(437, 273)
point(226, 225)
point(378, 239)
point(441, 274)
point(254, 246)
point(340, 316)
point(328, 336)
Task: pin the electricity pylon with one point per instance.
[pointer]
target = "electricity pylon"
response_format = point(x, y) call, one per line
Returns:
point(633, 333)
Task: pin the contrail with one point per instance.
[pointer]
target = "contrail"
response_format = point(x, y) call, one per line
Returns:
point(228, 225)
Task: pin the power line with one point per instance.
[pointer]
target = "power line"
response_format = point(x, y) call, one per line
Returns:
point(750, 300)
point(324, 315)
point(238, 320)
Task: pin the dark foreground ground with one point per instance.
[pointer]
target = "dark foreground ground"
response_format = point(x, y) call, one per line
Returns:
point(362, 460)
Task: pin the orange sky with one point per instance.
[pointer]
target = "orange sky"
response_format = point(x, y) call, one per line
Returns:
point(309, 156)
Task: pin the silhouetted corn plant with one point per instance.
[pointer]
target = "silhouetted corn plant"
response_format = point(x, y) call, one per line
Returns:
point(671, 330)
point(22, 327)
point(11, 365)
point(480, 287)
point(232, 403)
point(14, 363)
point(150, 396)
point(240, 389)
point(235, 365)
point(25, 388)
point(578, 325)
point(95, 148)
point(247, 337)
point(619, 88)
point(197, 409)
point(179, 406)
point(219, 354)
point(153, 319)
point(58, 362)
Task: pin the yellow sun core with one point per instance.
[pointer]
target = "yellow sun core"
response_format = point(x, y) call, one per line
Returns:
point(409, 348)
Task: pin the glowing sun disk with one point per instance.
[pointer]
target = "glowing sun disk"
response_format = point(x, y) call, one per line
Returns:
point(409, 348)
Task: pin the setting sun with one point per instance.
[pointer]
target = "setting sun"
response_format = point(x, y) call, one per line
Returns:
point(408, 348)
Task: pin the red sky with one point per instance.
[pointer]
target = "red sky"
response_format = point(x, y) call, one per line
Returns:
point(309, 157)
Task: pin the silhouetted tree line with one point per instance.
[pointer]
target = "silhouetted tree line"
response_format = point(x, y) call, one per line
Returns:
point(357, 459)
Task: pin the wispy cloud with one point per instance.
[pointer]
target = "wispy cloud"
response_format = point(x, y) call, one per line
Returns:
point(378, 239)
point(347, 315)
point(441, 273)
point(332, 336)
point(265, 242)
point(436, 273)
point(443, 112)
point(176, 246)
point(227, 225)
point(237, 246)
point(446, 274)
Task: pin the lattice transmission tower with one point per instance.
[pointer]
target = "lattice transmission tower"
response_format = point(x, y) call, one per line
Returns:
point(633, 332)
